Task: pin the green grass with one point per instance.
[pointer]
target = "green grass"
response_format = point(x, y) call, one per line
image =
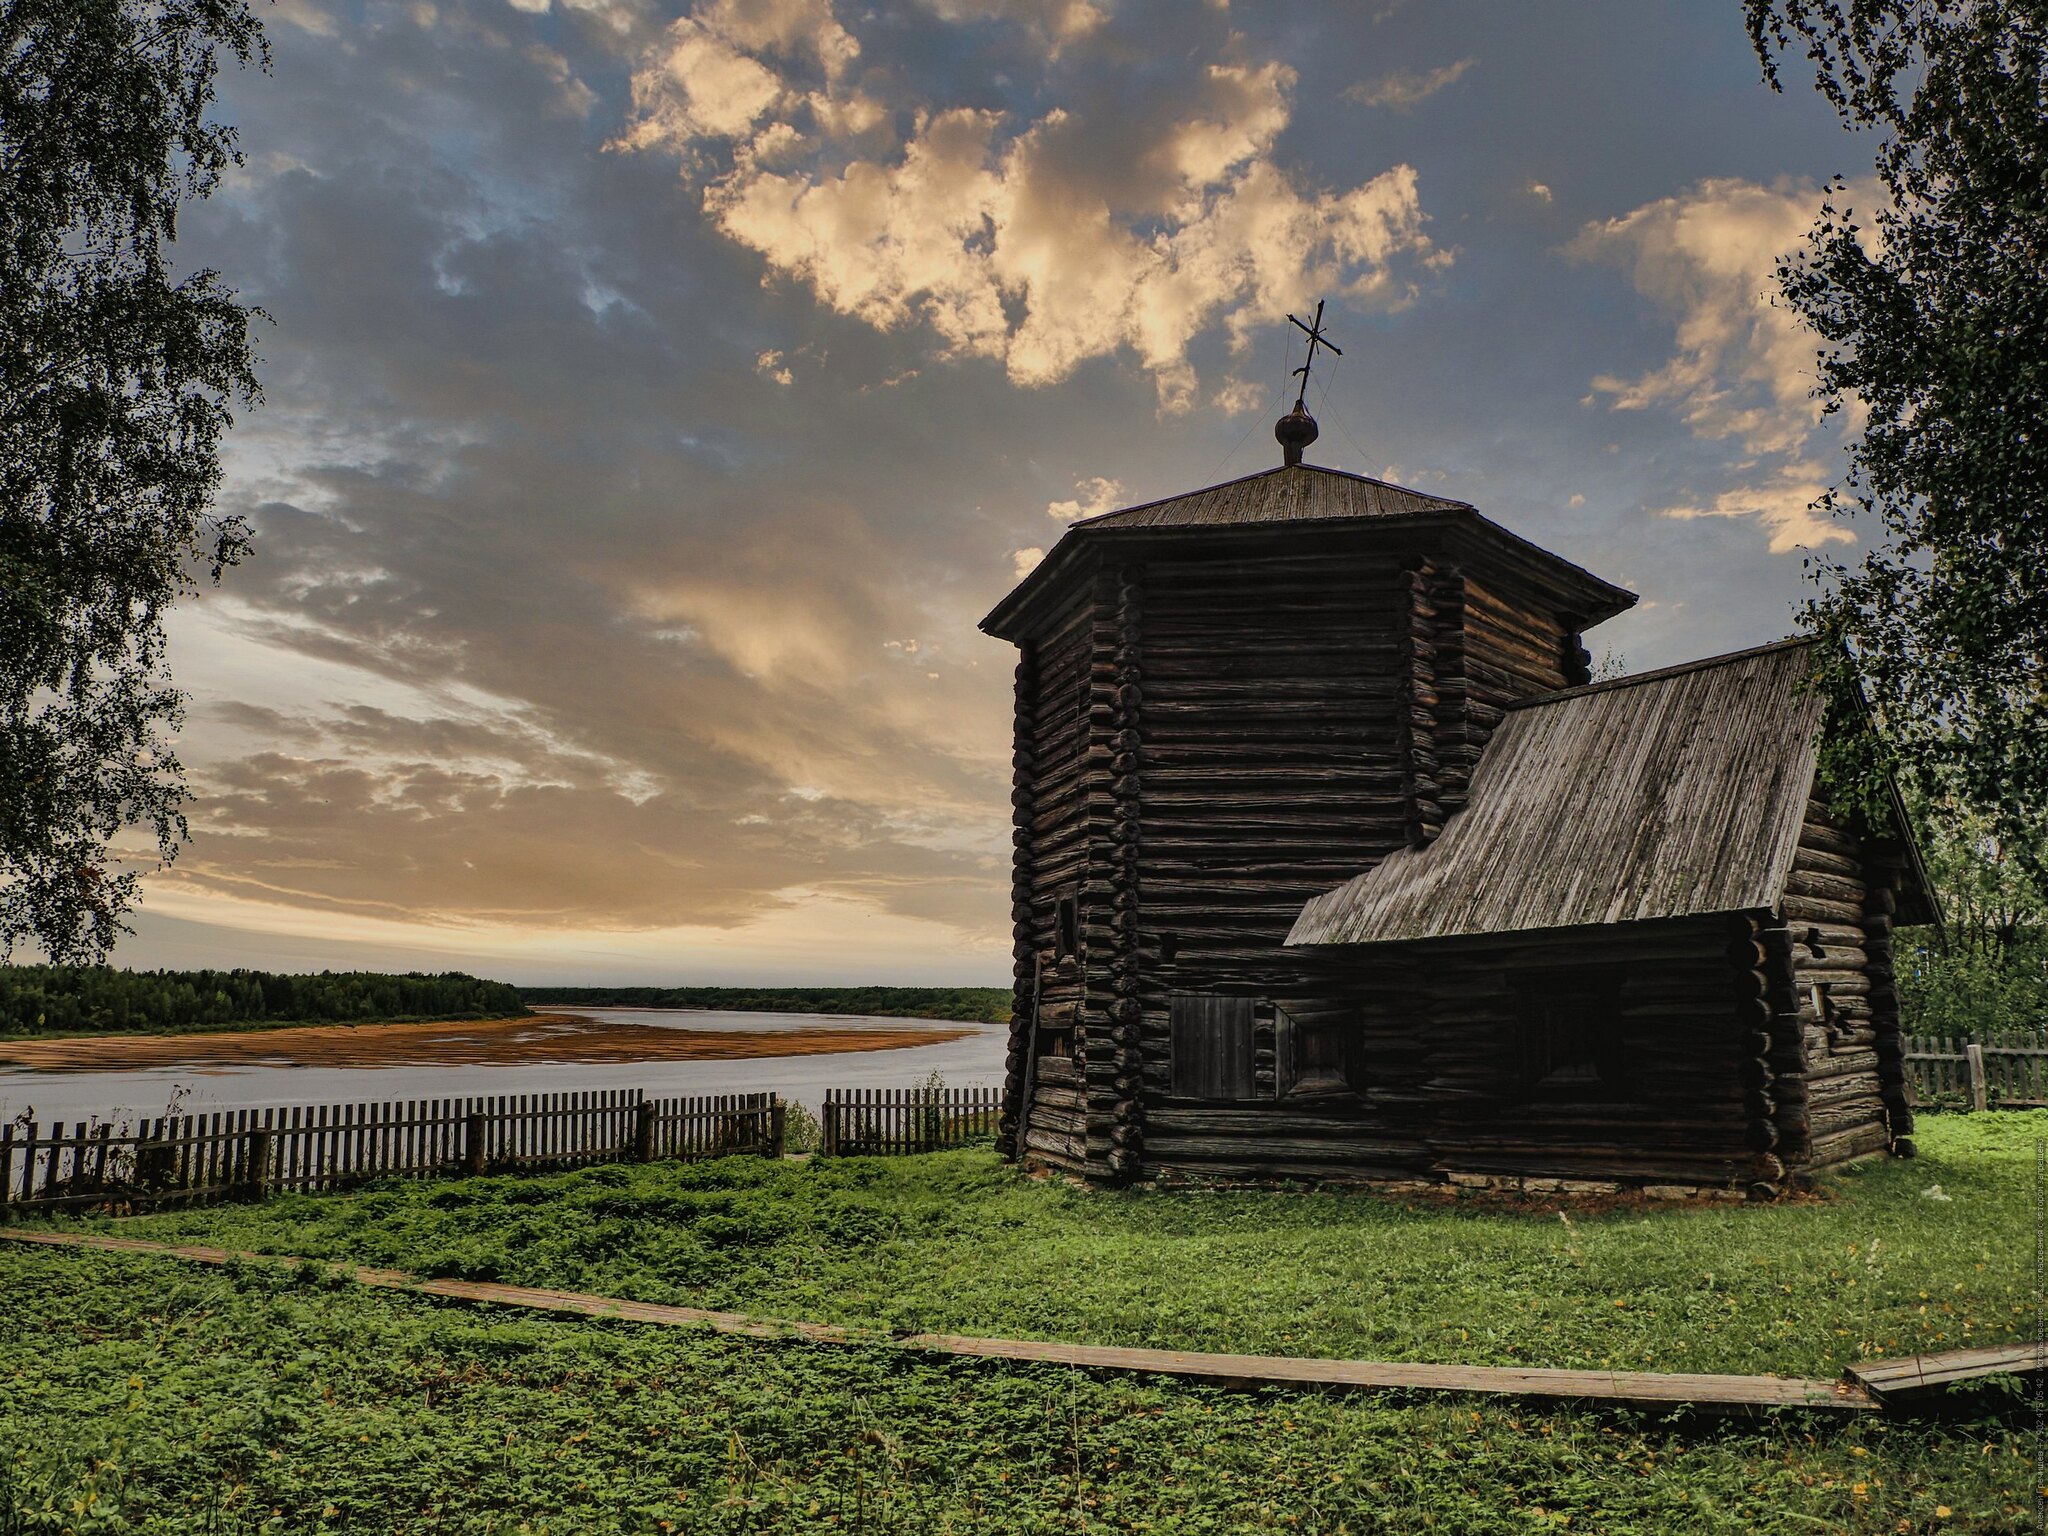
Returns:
point(962, 1243)
point(142, 1395)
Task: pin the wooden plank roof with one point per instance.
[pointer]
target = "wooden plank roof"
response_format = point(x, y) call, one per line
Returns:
point(1666, 794)
point(1300, 493)
point(1304, 497)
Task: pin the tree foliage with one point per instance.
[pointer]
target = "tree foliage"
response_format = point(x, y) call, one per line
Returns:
point(117, 380)
point(94, 999)
point(1991, 975)
point(1932, 312)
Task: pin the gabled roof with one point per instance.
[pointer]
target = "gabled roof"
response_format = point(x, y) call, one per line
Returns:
point(1304, 497)
point(1666, 794)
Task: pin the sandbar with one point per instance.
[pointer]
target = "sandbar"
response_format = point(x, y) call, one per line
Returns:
point(547, 1037)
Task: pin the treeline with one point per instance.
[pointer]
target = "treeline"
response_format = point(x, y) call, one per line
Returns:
point(985, 1005)
point(54, 999)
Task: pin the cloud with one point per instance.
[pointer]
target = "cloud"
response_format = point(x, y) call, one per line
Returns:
point(304, 14)
point(1744, 366)
point(1403, 90)
point(1024, 561)
point(1055, 23)
point(1098, 495)
point(1037, 242)
point(419, 840)
point(1236, 397)
point(550, 619)
point(1783, 503)
point(1540, 191)
point(1742, 371)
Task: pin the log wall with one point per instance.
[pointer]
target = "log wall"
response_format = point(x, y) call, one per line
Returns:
point(1680, 987)
point(1204, 741)
point(1056, 789)
point(1837, 960)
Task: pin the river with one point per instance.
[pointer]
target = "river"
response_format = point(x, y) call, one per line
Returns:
point(974, 1060)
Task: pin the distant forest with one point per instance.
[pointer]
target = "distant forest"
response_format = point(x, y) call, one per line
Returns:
point(985, 1005)
point(55, 1000)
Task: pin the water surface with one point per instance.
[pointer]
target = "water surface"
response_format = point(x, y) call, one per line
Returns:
point(975, 1060)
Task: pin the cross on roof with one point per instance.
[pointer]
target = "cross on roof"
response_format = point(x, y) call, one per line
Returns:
point(1314, 332)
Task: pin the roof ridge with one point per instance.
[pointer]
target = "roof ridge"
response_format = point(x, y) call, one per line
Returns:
point(1281, 469)
point(1658, 674)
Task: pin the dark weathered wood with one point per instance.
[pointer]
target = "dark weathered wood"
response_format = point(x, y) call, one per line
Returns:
point(876, 1122)
point(1226, 705)
point(1917, 1376)
point(1205, 743)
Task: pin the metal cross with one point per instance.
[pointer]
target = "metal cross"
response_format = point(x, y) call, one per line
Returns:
point(1314, 332)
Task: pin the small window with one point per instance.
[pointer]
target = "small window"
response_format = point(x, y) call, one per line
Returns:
point(1067, 928)
point(1056, 1033)
point(1212, 1048)
point(1821, 999)
point(1571, 1039)
point(1315, 1053)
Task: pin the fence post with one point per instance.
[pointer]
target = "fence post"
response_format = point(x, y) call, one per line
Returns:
point(778, 1131)
point(1973, 1057)
point(28, 1163)
point(475, 1129)
point(6, 1171)
point(828, 1127)
point(258, 1184)
point(101, 1152)
point(643, 1131)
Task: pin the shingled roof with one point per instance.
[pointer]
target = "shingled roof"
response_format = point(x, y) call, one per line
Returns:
point(1303, 497)
point(1666, 794)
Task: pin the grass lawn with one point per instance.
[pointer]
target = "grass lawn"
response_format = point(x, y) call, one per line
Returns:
point(962, 1243)
point(140, 1394)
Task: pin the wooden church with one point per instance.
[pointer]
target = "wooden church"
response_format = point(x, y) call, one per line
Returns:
point(1331, 862)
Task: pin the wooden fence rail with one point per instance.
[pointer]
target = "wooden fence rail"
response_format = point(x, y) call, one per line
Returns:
point(1999, 1070)
point(882, 1122)
point(250, 1153)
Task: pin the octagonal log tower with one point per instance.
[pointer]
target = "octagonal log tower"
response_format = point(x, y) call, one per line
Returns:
point(1227, 703)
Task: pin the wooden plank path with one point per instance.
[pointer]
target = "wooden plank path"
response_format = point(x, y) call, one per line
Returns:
point(1926, 1375)
point(1625, 1389)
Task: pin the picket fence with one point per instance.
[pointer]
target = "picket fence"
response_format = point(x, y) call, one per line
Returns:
point(250, 1153)
point(2006, 1070)
point(884, 1122)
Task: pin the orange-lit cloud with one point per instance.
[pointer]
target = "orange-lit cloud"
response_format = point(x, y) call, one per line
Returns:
point(1742, 369)
point(1002, 237)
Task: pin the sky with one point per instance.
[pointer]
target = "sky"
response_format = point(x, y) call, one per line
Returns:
point(657, 394)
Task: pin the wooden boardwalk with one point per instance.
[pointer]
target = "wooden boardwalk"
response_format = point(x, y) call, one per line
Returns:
point(1624, 1389)
point(1921, 1376)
